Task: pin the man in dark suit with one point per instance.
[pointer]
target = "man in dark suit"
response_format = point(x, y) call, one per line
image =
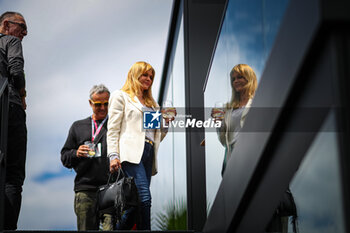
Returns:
point(90, 163)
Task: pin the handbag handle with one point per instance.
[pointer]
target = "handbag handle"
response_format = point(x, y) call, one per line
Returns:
point(120, 170)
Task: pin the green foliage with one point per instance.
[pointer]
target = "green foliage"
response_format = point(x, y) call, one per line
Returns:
point(173, 218)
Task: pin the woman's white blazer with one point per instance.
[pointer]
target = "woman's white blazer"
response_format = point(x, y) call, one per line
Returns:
point(125, 135)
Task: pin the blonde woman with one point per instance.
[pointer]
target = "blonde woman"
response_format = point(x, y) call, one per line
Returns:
point(244, 84)
point(131, 147)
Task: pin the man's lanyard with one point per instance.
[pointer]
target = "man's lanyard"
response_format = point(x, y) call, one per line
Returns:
point(94, 127)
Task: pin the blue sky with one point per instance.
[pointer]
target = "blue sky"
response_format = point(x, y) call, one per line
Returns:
point(71, 46)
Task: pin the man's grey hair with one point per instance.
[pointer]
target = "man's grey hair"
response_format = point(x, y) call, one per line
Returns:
point(98, 89)
point(8, 14)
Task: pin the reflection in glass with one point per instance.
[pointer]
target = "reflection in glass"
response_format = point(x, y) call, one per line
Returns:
point(218, 111)
point(247, 36)
point(317, 185)
point(244, 84)
point(285, 211)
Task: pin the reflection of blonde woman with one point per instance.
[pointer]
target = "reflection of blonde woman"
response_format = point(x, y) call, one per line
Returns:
point(131, 147)
point(244, 84)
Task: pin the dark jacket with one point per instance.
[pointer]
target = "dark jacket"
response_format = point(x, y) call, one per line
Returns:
point(11, 65)
point(90, 172)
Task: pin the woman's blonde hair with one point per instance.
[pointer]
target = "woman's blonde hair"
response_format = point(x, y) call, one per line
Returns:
point(248, 73)
point(133, 86)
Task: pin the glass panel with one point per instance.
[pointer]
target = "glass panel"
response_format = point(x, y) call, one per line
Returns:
point(273, 12)
point(169, 187)
point(247, 36)
point(316, 187)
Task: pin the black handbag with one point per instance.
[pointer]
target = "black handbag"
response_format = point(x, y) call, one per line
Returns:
point(119, 196)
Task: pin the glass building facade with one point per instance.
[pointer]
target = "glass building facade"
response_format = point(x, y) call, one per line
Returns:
point(316, 185)
point(247, 35)
point(271, 155)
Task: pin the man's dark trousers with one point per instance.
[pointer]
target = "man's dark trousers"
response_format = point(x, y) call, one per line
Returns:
point(15, 164)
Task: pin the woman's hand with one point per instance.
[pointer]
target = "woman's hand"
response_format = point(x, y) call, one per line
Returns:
point(170, 111)
point(217, 114)
point(114, 165)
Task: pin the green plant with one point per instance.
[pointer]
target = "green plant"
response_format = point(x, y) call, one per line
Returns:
point(174, 217)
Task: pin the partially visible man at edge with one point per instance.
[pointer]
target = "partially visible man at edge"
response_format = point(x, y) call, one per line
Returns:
point(12, 30)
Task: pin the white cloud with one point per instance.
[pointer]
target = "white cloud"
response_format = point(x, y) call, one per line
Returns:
point(48, 206)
